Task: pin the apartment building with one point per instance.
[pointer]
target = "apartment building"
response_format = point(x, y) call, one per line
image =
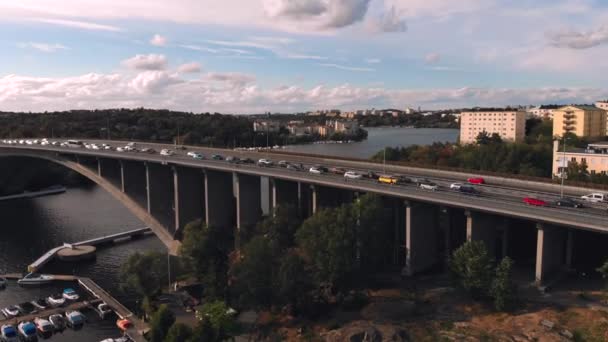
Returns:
point(595, 156)
point(543, 111)
point(581, 120)
point(602, 105)
point(269, 126)
point(509, 123)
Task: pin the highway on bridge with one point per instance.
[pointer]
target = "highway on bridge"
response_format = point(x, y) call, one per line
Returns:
point(500, 196)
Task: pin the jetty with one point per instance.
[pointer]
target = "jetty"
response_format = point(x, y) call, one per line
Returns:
point(84, 252)
point(32, 194)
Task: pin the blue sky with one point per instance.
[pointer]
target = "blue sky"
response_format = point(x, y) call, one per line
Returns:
point(251, 56)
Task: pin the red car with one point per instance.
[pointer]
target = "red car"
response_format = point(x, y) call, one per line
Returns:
point(535, 202)
point(476, 180)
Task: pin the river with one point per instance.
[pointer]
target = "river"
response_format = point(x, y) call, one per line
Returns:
point(31, 227)
point(379, 138)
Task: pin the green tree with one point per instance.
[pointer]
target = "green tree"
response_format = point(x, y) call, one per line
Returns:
point(204, 332)
point(373, 233)
point(221, 319)
point(253, 274)
point(472, 267)
point(161, 322)
point(603, 270)
point(281, 226)
point(503, 288)
point(293, 281)
point(179, 332)
point(145, 274)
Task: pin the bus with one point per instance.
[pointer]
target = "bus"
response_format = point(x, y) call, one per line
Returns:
point(387, 179)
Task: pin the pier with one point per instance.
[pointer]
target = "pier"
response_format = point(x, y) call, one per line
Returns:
point(46, 313)
point(48, 256)
point(32, 194)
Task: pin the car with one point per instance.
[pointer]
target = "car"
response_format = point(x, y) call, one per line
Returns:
point(456, 186)
point(316, 170)
point(247, 161)
point(166, 152)
point(428, 185)
point(265, 162)
point(129, 148)
point(147, 150)
point(352, 175)
point(568, 202)
point(120, 149)
point(595, 197)
point(217, 157)
point(403, 180)
point(468, 190)
point(371, 175)
point(282, 163)
point(232, 159)
point(337, 170)
point(387, 179)
point(294, 167)
point(535, 202)
point(190, 153)
point(476, 180)
point(196, 155)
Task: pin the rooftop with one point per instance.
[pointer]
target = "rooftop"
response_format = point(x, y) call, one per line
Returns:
point(583, 107)
point(490, 109)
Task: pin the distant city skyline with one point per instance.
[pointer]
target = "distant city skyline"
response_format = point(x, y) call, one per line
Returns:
point(254, 56)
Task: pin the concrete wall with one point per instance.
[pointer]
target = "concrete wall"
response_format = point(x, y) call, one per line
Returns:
point(189, 184)
point(491, 229)
point(220, 208)
point(551, 252)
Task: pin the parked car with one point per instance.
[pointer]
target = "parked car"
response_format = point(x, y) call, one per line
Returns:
point(265, 162)
point(147, 150)
point(316, 170)
point(535, 202)
point(197, 155)
point(568, 202)
point(595, 197)
point(352, 175)
point(428, 185)
point(476, 180)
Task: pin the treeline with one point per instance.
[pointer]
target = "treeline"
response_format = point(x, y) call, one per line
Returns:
point(417, 120)
point(166, 126)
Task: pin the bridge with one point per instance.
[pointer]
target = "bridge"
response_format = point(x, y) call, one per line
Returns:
point(167, 192)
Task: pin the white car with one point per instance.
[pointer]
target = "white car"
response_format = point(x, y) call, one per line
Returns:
point(595, 197)
point(265, 162)
point(352, 175)
point(94, 147)
point(166, 152)
point(129, 148)
point(455, 186)
point(315, 170)
point(191, 154)
point(120, 149)
point(429, 186)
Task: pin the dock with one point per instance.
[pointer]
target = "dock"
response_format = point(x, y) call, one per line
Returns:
point(48, 256)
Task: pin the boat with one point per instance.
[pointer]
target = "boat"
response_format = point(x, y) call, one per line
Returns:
point(27, 331)
point(58, 322)
point(40, 304)
point(75, 319)
point(3, 283)
point(124, 324)
point(118, 339)
point(8, 333)
point(70, 294)
point(35, 279)
point(44, 327)
point(27, 308)
point(55, 300)
point(11, 311)
point(103, 310)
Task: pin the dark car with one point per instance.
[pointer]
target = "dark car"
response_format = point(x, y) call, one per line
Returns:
point(247, 161)
point(469, 190)
point(567, 202)
point(293, 167)
point(371, 175)
point(232, 159)
point(181, 147)
point(217, 157)
point(403, 180)
point(282, 163)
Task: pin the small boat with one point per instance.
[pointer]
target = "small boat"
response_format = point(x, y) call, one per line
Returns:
point(70, 294)
point(124, 324)
point(35, 279)
point(44, 327)
point(3, 283)
point(58, 322)
point(103, 310)
point(11, 311)
point(27, 331)
point(40, 304)
point(55, 300)
point(75, 319)
point(8, 333)
point(27, 308)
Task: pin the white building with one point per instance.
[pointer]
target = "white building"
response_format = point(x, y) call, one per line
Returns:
point(509, 123)
point(269, 126)
point(543, 111)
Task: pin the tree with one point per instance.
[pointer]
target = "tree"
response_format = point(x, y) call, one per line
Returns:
point(179, 332)
point(603, 270)
point(503, 288)
point(145, 274)
point(253, 274)
point(281, 226)
point(220, 317)
point(483, 138)
point(373, 233)
point(203, 332)
point(472, 268)
point(293, 282)
point(161, 322)
point(205, 251)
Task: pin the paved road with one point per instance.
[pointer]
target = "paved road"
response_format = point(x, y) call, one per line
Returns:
point(495, 198)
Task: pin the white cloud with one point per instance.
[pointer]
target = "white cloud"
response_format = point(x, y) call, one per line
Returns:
point(83, 25)
point(158, 40)
point(304, 56)
point(199, 48)
point(390, 21)
point(192, 67)
point(44, 47)
point(573, 39)
point(345, 67)
point(316, 14)
point(437, 8)
point(229, 77)
point(146, 62)
point(373, 60)
point(153, 81)
point(432, 58)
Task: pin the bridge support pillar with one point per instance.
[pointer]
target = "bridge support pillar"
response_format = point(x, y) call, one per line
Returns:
point(248, 200)
point(314, 196)
point(189, 196)
point(110, 169)
point(491, 230)
point(160, 195)
point(551, 254)
point(421, 237)
point(133, 181)
point(285, 193)
point(219, 199)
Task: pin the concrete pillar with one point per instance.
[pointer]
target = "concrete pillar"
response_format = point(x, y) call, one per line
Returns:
point(189, 196)
point(248, 200)
point(445, 225)
point(314, 199)
point(219, 199)
point(160, 195)
point(550, 251)
point(284, 193)
point(133, 181)
point(421, 237)
point(99, 167)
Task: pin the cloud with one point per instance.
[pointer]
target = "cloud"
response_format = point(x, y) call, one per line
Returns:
point(44, 47)
point(344, 67)
point(373, 60)
point(199, 48)
point(432, 58)
point(153, 81)
point(146, 62)
point(578, 39)
point(158, 40)
point(317, 14)
point(390, 21)
point(297, 9)
point(192, 67)
point(303, 56)
point(229, 77)
point(79, 24)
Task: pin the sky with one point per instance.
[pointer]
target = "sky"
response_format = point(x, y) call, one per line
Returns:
point(254, 56)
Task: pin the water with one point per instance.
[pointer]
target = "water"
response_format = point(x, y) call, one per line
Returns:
point(379, 138)
point(31, 227)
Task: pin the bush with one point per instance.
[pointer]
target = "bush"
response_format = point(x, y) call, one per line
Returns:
point(472, 267)
point(503, 289)
point(161, 322)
